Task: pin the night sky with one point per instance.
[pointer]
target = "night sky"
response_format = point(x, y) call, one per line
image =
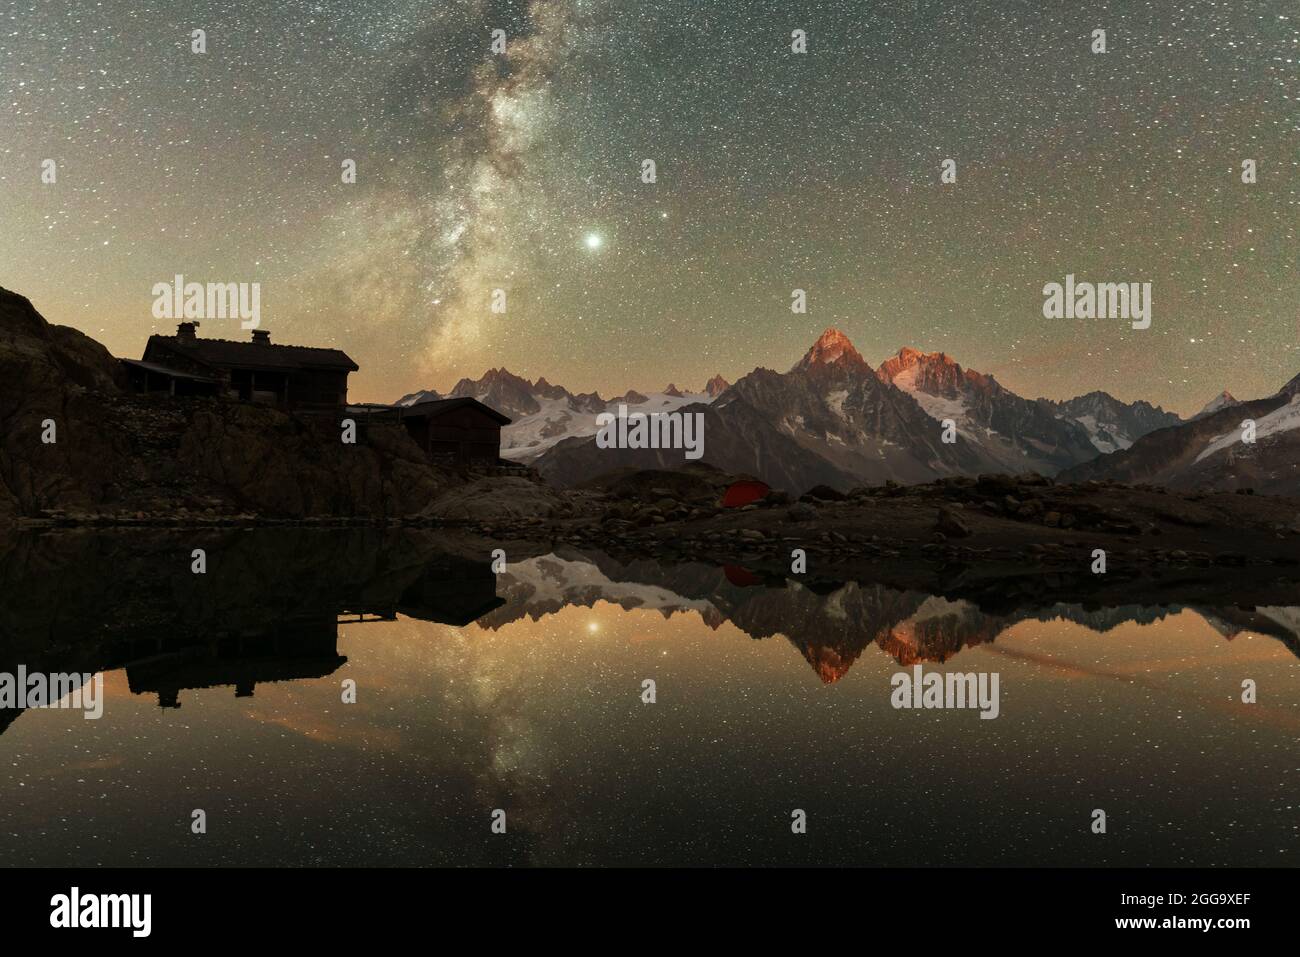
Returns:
point(775, 170)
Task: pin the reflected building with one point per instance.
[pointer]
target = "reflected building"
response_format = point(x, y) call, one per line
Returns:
point(267, 611)
point(286, 651)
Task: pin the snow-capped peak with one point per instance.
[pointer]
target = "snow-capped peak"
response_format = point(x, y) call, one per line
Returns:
point(1224, 400)
point(1282, 419)
point(422, 395)
point(831, 347)
point(935, 373)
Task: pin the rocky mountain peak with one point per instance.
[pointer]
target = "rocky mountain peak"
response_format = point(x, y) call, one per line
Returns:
point(546, 390)
point(502, 390)
point(934, 373)
point(1224, 400)
point(909, 357)
point(832, 348)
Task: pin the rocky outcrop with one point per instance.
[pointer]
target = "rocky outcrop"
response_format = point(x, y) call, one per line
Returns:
point(120, 454)
point(50, 381)
point(498, 499)
point(716, 386)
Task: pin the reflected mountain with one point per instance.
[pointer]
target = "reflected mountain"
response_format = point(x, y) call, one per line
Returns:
point(269, 605)
point(831, 624)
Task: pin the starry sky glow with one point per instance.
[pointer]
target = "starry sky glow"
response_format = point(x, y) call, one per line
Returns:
point(775, 171)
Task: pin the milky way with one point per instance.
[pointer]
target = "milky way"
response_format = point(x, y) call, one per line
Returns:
point(521, 171)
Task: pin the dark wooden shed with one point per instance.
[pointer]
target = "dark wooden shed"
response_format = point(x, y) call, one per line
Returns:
point(460, 431)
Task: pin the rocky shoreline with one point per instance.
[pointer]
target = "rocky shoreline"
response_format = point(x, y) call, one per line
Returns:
point(992, 537)
point(952, 519)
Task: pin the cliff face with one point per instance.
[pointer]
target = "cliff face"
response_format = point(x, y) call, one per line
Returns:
point(123, 454)
point(56, 373)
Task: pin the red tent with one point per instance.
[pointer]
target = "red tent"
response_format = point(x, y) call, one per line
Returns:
point(744, 492)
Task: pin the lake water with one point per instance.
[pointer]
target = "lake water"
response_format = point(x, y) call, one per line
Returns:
point(523, 692)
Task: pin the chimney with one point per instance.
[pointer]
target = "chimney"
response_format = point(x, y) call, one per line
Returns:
point(262, 337)
point(186, 330)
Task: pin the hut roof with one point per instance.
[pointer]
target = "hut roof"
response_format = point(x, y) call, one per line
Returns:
point(228, 353)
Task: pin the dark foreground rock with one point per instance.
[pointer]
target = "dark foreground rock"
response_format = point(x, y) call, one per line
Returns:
point(130, 457)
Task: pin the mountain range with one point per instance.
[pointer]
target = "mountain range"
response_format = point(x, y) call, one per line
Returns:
point(834, 419)
point(1211, 451)
point(545, 414)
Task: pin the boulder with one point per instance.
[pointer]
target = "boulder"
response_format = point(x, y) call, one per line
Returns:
point(801, 512)
point(950, 524)
point(823, 493)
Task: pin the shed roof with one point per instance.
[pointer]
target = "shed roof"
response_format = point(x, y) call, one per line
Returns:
point(435, 407)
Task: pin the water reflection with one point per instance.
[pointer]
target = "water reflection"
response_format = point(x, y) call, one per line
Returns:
point(523, 691)
point(831, 625)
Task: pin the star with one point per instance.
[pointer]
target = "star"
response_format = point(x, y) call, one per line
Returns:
point(478, 169)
